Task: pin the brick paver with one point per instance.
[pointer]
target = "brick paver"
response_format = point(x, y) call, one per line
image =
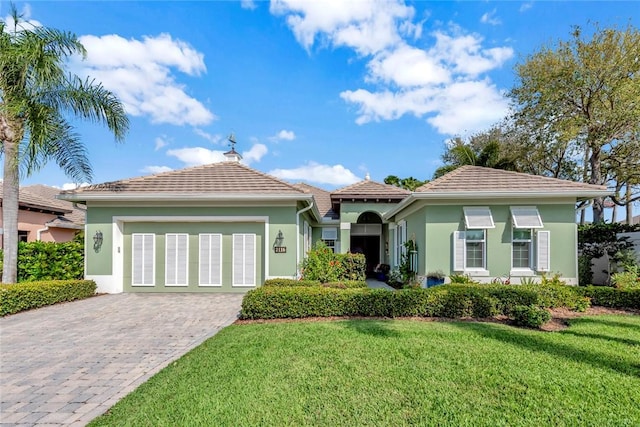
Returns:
point(66, 364)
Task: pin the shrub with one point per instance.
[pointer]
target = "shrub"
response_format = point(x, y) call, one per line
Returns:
point(322, 265)
point(25, 296)
point(605, 296)
point(39, 261)
point(280, 282)
point(629, 279)
point(355, 266)
point(530, 316)
point(551, 295)
point(346, 284)
point(462, 279)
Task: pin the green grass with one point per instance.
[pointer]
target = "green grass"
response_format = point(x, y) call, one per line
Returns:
point(398, 372)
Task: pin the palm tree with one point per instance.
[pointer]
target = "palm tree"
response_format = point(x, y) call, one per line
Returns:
point(35, 95)
point(482, 150)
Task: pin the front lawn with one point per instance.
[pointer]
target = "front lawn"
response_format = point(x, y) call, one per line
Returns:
point(398, 372)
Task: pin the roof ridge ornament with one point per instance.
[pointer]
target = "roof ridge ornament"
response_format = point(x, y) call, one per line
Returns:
point(232, 155)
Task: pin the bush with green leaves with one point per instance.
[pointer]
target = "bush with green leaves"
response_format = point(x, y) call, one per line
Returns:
point(323, 265)
point(341, 284)
point(50, 261)
point(530, 316)
point(628, 279)
point(605, 296)
point(24, 296)
point(551, 294)
point(452, 301)
point(462, 279)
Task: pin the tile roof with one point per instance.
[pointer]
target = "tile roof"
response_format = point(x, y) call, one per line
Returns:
point(77, 214)
point(29, 199)
point(228, 177)
point(479, 179)
point(322, 199)
point(368, 189)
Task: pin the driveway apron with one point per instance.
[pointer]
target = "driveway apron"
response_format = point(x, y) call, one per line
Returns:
point(68, 363)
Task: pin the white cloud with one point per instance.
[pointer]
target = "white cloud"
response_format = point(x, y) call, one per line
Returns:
point(526, 6)
point(141, 74)
point(160, 142)
point(407, 66)
point(490, 18)
point(24, 20)
point(460, 108)
point(283, 135)
point(427, 81)
point(156, 169)
point(254, 154)
point(197, 156)
point(212, 138)
point(317, 173)
point(367, 26)
point(74, 185)
point(248, 4)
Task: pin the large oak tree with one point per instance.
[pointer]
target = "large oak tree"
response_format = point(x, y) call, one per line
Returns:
point(583, 95)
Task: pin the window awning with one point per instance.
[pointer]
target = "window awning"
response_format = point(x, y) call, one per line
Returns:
point(478, 217)
point(526, 217)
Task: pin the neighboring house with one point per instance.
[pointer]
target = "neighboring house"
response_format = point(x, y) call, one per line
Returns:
point(225, 227)
point(42, 217)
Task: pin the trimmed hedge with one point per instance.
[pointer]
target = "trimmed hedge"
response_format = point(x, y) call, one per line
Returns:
point(530, 316)
point(28, 295)
point(293, 283)
point(605, 296)
point(39, 261)
point(453, 301)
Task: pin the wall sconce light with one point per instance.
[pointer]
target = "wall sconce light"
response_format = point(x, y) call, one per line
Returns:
point(97, 241)
point(278, 245)
point(279, 239)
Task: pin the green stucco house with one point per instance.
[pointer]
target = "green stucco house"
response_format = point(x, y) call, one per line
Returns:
point(225, 227)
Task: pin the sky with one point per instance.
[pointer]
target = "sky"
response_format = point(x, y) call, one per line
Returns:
point(323, 92)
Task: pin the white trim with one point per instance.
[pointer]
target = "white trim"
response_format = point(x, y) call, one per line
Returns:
point(525, 217)
point(184, 218)
point(217, 281)
point(531, 249)
point(345, 226)
point(144, 251)
point(478, 217)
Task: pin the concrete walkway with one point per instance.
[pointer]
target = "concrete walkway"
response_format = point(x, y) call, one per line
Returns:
point(68, 363)
point(376, 284)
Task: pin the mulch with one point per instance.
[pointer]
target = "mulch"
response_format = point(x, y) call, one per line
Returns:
point(560, 318)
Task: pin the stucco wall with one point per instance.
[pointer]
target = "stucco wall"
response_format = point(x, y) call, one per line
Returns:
point(438, 222)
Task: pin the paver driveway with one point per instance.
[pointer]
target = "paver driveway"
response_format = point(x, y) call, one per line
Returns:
point(68, 363)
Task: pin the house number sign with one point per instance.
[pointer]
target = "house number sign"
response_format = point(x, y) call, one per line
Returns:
point(280, 249)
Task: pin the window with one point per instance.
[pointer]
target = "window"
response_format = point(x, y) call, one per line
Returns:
point(176, 259)
point(474, 249)
point(244, 260)
point(143, 259)
point(469, 251)
point(210, 263)
point(521, 251)
point(329, 237)
point(306, 238)
point(23, 235)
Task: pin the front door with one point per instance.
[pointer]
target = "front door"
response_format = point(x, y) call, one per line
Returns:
point(370, 247)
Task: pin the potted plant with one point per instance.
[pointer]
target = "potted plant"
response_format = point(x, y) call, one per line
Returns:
point(435, 278)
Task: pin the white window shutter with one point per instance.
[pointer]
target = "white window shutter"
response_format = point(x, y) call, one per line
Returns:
point(478, 217)
point(250, 259)
point(544, 251)
point(176, 259)
point(210, 260)
point(526, 217)
point(458, 250)
point(238, 259)
point(143, 259)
